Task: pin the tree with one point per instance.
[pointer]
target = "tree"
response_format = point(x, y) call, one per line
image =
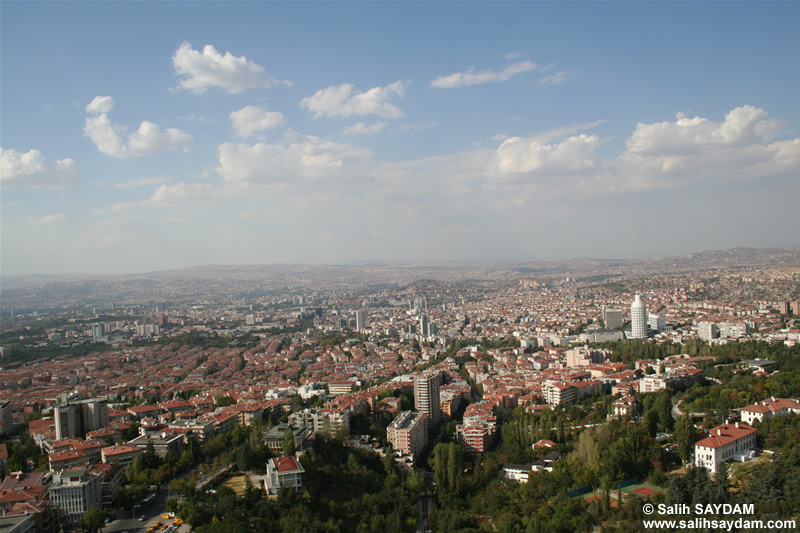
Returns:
point(288, 442)
point(684, 437)
point(93, 519)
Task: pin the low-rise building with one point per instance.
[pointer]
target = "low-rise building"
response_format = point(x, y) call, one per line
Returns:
point(769, 408)
point(728, 442)
point(283, 473)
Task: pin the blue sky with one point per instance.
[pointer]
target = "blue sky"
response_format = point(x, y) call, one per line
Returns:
point(145, 136)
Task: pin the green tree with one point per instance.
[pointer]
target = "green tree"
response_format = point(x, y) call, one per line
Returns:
point(288, 442)
point(684, 437)
point(93, 519)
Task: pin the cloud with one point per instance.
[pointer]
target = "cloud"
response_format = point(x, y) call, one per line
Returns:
point(147, 139)
point(470, 77)
point(142, 182)
point(181, 191)
point(297, 157)
point(210, 68)
point(743, 125)
point(340, 100)
point(251, 119)
point(359, 128)
point(521, 155)
point(553, 79)
point(670, 154)
point(47, 220)
point(30, 169)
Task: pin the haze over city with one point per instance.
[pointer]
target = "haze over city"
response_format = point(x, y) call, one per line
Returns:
point(147, 136)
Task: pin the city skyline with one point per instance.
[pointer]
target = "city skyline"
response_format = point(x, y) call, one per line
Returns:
point(264, 133)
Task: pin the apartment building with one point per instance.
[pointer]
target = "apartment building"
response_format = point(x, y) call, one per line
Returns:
point(407, 433)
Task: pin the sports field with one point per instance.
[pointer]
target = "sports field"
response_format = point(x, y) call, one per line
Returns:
point(643, 489)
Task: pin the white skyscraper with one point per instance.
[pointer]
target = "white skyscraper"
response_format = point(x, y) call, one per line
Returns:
point(360, 323)
point(638, 318)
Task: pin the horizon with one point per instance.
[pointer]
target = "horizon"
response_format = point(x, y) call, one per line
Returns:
point(228, 138)
point(366, 263)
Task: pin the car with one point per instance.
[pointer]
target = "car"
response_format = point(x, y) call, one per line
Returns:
point(164, 516)
point(142, 518)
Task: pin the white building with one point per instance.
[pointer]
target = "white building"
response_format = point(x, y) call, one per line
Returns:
point(360, 322)
point(283, 473)
point(638, 318)
point(74, 491)
point(656, 322)
point(707, 331)
point(727, 442)
point(769, 408)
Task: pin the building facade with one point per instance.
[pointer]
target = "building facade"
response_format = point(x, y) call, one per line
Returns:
point(407, 433)
point(638, 318)
point(728, 442)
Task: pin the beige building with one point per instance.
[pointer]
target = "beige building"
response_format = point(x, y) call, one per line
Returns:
point(407, 433)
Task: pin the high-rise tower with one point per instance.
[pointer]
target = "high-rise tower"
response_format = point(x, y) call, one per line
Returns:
point(426, 397)
point(638, 318)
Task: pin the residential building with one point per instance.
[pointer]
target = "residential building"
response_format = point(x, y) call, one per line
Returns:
point(163, 444)
point(407, 433)
point(707, 331)
point(557, 392)
point(724, 443)
point(769, 408)
point(426, 396)
point(75, 419)
point(123, 454)
point(20, 523)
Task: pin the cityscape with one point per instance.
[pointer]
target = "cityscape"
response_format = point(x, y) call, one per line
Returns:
point(518, 267)
point(440, 385)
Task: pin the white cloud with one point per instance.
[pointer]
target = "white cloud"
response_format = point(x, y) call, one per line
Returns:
point(100, 104)
point(743, 125)
point(30, 169)
point(210, 68)
point(470, 77)
point(553, 79)
point(147, 139)
point(297, 157)
point(525, 155)
point(359, 128)
point(142, 182)
point(181, 191)
point(46, 220)
point(251, 119)
point(340, 100)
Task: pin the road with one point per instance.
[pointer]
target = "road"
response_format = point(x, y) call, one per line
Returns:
point(151, 513)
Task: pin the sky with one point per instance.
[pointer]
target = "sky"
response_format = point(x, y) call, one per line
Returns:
point(145, 136)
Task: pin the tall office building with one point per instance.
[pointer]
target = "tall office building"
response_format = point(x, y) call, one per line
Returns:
point(360, 322)
point(638, 318)
point(423, 326)
point(426, 397)
point(75, 419)
point(612, 318)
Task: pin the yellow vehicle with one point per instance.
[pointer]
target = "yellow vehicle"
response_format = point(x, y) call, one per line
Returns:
point(165, 516)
